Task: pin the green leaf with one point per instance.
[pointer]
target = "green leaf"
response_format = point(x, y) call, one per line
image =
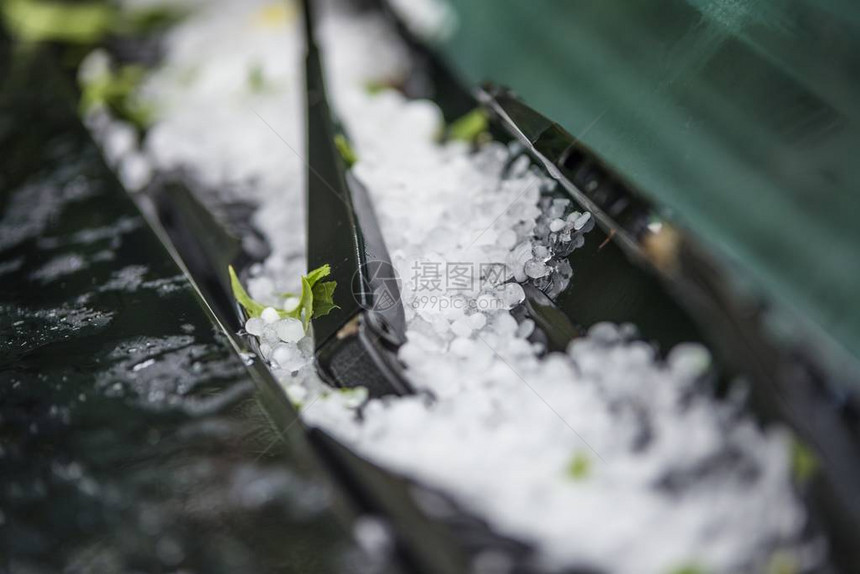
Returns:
point(579, 467)
point(374, 87)
point(256, 78)
point(324, 298)
point(470, 127)
point(688, 569)
point(84, 22)
point(306, 303)
point(354, 397)
point(804, 463)
point(253, 308)
point(316, 300)
point(117, 91)
point(319, 273)
point(345, 150)
point(54, 21)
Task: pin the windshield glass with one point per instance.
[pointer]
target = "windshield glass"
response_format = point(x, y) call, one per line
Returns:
point(739, 117)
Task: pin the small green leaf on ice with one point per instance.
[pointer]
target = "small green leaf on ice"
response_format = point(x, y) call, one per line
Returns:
point(117, 90)
point(470, 127)
point(345, 149)
point(316, 299)
point(374, 87)
point(354, 397)
point(579, 467)
point(53, 21)
point(804, 463)
point(256, 78)
point(83, 22)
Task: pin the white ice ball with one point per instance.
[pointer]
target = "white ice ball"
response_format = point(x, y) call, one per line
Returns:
point(290, 330)
point(270, 315)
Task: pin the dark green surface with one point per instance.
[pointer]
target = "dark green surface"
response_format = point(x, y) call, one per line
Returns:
point(739, 117)
point(131, 435)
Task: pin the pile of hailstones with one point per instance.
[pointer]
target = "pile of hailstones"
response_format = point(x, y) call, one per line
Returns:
point(543, 261)
point(282, 341)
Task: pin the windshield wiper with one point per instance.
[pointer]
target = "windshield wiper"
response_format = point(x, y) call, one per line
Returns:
point(356, 345)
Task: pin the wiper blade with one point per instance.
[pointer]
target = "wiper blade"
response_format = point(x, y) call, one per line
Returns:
point(356, 345)
point(629, 218)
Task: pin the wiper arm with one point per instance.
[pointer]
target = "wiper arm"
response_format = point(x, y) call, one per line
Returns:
point(355, 345)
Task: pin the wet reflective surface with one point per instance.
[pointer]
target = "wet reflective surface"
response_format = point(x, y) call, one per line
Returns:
point(131, 436)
